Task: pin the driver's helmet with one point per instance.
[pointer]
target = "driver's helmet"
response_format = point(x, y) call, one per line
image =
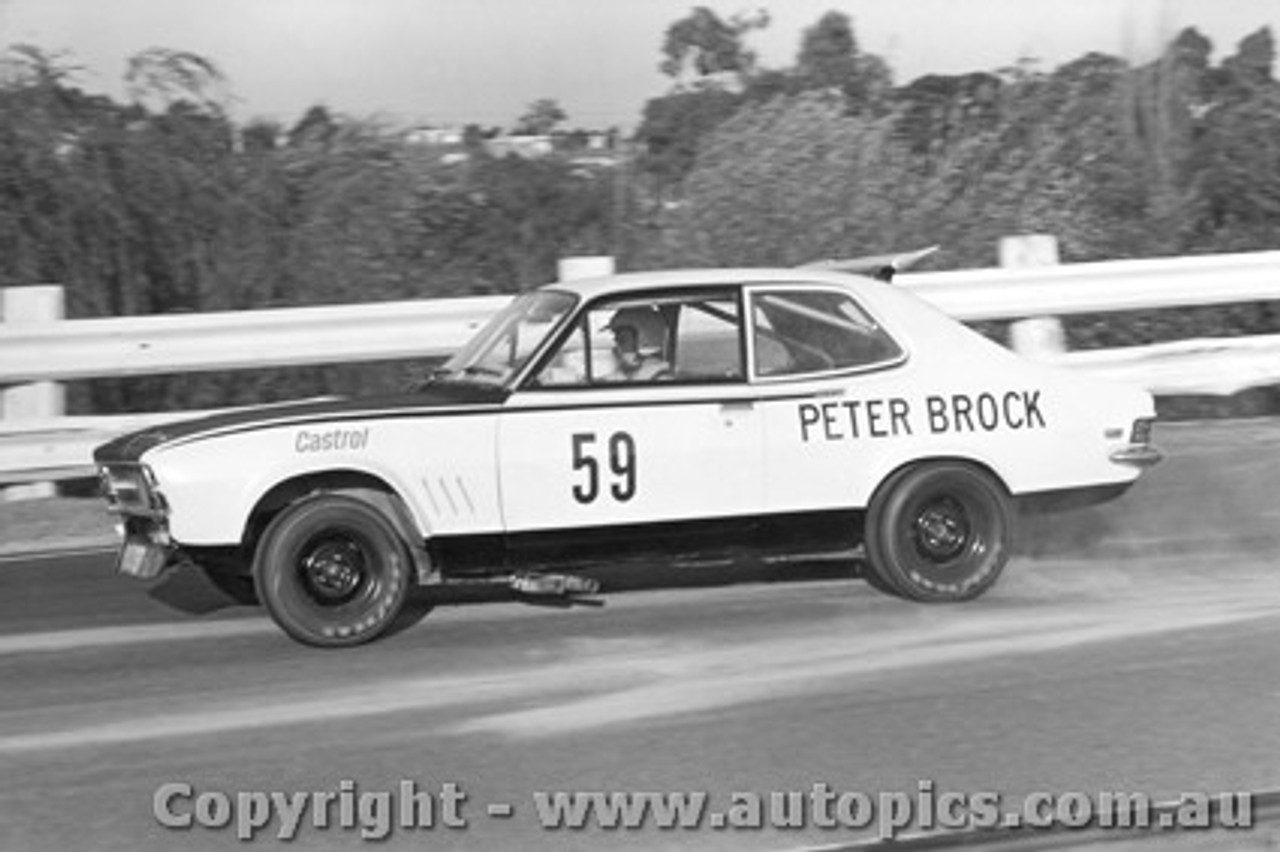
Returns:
point(648, 325)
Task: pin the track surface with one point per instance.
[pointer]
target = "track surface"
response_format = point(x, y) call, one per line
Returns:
point(1132, 649)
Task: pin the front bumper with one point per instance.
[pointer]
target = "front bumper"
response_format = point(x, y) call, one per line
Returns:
point(132, 492)
point(146, 550)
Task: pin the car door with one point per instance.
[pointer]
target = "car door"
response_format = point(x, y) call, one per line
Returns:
point(580, 451)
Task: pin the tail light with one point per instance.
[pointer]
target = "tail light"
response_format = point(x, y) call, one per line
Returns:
point(1138, 452)
point(1141, 432)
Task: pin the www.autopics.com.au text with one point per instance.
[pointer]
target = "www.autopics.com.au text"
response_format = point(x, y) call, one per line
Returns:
point(412, 806)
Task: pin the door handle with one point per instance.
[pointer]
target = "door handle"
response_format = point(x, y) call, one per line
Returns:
point(737, 405)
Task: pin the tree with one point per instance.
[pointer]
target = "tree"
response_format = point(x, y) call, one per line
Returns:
point(1237, 146)
point(875, 79)
point(1240, 155)
point(28, 66)
point(672, 129)
point(159, 78)
point(829, 54)
point(41, 122)
point(829, 58)
point(316, 126)
point(790, 181)
point(703, 45)
point(504, 224)
point(936, 110)
point(541, 118)
point(260, 136)
point(1248, 69)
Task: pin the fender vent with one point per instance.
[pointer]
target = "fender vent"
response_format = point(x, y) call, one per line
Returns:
point(448, 496)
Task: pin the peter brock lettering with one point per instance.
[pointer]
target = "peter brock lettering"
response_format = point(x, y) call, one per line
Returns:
point(986, 412)
point(935, 414)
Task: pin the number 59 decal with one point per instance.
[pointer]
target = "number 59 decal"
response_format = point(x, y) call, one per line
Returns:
point(621, 462)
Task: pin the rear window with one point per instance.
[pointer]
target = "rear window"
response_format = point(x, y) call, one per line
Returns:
point(815, 331)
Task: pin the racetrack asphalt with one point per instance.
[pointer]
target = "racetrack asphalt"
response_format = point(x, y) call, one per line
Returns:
point(55, 524)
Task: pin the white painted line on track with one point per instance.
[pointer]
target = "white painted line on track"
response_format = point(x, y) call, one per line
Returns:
point(44, 555)
point(332, 705)
point(62, 641)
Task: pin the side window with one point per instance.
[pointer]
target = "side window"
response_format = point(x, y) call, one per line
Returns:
point(690, 338)
point(813, 331)
point(568, 366)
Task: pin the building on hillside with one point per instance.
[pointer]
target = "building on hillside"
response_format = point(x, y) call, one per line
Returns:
point(438, 137)
point(529, 147)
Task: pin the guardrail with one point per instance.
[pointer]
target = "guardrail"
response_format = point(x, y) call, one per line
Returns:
point(237, 340)
point(1103, 287)
point(33, 449)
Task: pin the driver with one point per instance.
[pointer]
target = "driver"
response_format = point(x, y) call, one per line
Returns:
point(639, 336)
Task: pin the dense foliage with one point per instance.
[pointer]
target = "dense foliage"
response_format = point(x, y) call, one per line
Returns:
point(164, 204)
point(1169, 158)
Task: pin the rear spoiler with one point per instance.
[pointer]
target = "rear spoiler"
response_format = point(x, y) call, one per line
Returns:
point(880, 266)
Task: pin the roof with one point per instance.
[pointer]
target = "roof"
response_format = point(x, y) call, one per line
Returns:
point(589, 288)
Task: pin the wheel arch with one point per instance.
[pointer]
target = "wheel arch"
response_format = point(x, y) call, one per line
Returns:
point(906, 465)
point(359, 484)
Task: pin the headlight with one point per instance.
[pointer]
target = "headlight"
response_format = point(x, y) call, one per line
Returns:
point(131, 489)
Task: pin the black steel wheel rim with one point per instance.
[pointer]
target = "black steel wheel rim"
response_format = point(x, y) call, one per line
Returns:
point(334, 569)
point(941, 530)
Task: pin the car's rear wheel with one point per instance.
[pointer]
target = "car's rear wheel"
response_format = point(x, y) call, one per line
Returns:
point(939, 532)
point(332, 571)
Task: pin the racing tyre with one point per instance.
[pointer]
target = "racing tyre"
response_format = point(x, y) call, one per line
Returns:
point(332, 571)
point(939, 532)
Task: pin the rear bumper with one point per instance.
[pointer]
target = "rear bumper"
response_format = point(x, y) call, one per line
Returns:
point(1070, 499)
point(1141, 456)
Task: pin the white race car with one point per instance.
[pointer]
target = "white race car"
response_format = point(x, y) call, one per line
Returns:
point(702, 411)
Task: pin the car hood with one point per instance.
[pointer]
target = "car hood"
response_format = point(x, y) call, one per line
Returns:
point(130, 447)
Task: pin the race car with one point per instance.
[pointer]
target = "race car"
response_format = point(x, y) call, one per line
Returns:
point(663, 414)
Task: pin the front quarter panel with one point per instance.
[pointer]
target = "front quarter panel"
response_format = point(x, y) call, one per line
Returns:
point(441, 466)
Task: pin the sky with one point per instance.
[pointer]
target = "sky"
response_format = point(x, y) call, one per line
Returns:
point(455, 62)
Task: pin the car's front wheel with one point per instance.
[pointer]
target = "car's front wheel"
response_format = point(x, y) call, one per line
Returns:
point(939, 532)
point(332, 571)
